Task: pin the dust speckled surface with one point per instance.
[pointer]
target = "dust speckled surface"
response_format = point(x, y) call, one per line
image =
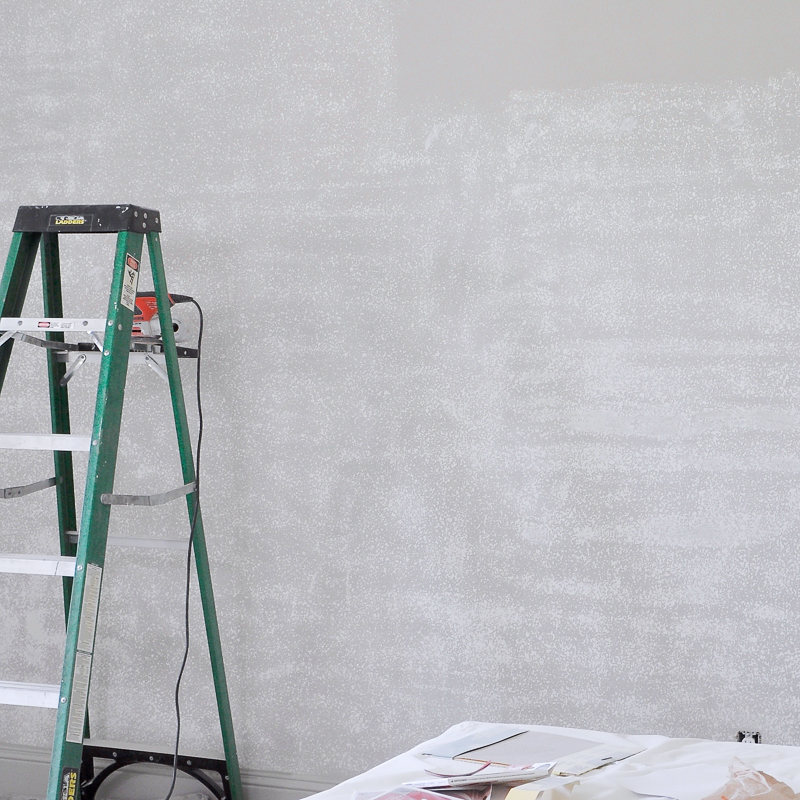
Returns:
point(501, 403)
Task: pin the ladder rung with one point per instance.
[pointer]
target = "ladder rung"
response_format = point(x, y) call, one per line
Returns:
point(37, 565)
point(45, 441)
point(41, 695)
point(139, 541)
point(79, 325)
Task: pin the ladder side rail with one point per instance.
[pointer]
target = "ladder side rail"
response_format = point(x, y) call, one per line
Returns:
point(14, 285)
point(59, 406)
point(199, 542)
point(90, 558)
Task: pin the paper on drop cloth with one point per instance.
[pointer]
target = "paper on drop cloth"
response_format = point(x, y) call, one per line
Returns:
point(470, 793)
point(531, 791)
point(488, 773)
point(410, 793)
point(745, 781)
point(530, 747)
point(486, 735)
point(599, 756)
point(698, 769)
point(640, 796)
point(439, 767)
point(402, 793)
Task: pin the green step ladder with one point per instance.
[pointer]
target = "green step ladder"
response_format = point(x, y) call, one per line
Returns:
point(82, 555)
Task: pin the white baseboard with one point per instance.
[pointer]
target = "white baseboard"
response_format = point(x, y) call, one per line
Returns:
point(24, 771)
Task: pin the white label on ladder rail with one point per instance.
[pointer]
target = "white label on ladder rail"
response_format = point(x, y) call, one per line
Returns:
point(45, 441)
point(39, 695)
point(37, 565)
point(28, 324)
point(79, 698)
point(91, 601)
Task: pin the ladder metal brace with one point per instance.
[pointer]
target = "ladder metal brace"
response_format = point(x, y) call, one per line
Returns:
point(147, 499)
point(30, 488)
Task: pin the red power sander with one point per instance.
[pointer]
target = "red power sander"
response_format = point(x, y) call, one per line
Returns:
point(146, 324)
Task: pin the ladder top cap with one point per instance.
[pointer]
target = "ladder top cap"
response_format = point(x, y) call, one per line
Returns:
point(87, 219)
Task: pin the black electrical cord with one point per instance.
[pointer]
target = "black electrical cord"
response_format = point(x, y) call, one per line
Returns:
point(189, 555)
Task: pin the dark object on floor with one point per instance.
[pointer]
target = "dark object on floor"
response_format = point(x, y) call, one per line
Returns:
point(194, 766)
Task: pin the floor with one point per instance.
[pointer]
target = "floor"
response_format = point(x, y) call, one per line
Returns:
point(196, 796)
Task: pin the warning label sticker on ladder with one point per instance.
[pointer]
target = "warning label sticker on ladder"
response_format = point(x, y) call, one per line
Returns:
point(79, 698)
point(130, 282)
point(89, 606)
point(83, 656)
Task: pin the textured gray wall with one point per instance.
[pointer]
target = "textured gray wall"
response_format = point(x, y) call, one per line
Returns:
point(502, 398)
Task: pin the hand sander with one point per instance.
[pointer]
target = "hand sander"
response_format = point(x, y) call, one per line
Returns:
point(146, 324)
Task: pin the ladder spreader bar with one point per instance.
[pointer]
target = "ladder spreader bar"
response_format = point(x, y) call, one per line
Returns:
point(30, 488)
point(68, 356)
point(147, 499)
point(45, 441)
point(40, 695)
point(37, 565)
point(79, 325)
point(59, 347)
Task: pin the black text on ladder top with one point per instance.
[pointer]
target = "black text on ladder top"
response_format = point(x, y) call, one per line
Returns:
point(81, 558)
